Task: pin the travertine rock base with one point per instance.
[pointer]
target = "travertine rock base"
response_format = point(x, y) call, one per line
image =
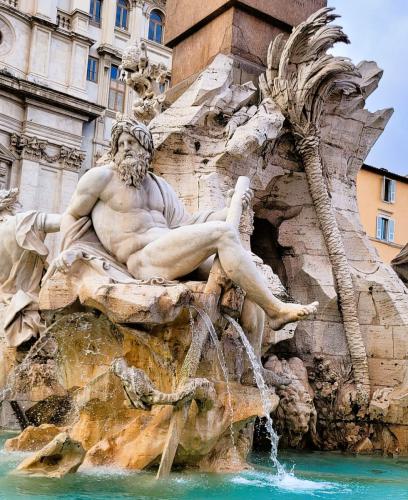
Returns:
point(33, 438)
point(58, 458)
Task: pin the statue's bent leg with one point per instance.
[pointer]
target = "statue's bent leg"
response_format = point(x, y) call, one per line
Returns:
point(253, 323)
point(182, 250)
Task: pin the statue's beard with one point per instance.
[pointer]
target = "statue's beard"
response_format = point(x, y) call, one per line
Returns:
point(132, 168)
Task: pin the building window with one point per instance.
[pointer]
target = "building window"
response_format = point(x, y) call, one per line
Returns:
point(385, 228)
point(92, 71)
point(156, 25)
point(95, 11)
point(389, 186)
point(122, 14)
point(116, 91)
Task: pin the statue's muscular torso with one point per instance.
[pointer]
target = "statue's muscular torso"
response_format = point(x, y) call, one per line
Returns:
point(125, 219)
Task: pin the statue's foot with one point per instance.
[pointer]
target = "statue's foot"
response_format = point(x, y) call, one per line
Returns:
point(289, 313)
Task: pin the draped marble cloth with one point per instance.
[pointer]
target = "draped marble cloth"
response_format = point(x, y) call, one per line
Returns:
point(82, 237)
point(19, 293)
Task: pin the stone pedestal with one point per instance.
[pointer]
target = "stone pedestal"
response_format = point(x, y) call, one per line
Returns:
point(242, 28)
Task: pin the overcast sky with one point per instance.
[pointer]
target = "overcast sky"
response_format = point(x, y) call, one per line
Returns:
point(378, 30)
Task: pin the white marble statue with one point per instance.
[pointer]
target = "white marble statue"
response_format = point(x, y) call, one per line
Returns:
point(22, 260)
point(131, 220)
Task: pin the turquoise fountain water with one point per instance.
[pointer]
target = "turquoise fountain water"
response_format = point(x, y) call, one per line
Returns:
point(264, 394)
point(223, 366)
point(318, 475)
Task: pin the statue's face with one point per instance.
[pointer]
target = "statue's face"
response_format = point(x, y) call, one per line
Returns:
point(128, 144)
point(131, 161)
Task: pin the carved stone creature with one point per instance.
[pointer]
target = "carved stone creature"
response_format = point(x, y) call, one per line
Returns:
point(145, 79)
point(296, 414)
point(142, 394)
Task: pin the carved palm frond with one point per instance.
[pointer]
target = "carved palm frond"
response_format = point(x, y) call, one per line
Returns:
point(301, 75)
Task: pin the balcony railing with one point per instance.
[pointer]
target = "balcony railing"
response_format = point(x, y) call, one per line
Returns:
point(64, 21)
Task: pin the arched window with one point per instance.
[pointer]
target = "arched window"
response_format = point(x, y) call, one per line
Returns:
point(156, 25)
point(122, 14)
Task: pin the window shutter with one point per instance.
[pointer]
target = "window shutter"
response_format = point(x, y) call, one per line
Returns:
point(379, 227)
point(391, 227)
point(392, 190)
point(383, 189)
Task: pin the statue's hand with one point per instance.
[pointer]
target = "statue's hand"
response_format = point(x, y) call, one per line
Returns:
point(246, 198)
point(65, 260)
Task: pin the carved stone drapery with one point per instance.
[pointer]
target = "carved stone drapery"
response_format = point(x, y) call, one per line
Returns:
point(33, 148)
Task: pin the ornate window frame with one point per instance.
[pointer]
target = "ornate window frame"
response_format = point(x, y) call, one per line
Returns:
point(155, 8)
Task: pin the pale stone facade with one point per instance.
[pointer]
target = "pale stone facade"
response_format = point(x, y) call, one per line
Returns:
point(54, 121)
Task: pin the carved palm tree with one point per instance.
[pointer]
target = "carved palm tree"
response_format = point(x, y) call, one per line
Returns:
point(299, 78)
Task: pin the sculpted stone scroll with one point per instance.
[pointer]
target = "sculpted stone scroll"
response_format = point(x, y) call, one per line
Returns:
point(22, 261)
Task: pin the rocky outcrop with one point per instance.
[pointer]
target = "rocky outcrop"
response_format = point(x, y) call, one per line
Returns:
point(33, 438)
point(58, 458)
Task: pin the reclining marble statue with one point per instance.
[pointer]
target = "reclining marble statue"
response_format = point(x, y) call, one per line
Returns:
point(23, 254)
point(129, 223)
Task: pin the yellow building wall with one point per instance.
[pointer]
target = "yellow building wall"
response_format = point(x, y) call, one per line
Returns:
point(371, 204)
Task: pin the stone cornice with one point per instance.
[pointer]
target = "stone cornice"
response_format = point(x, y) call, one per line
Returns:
point(26, 89)
point(42, 21)
point(14, 12)
point(32, 148)
point(110, 50)
point(72, 35)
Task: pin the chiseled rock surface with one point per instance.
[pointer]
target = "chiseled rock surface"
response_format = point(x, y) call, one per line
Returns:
point(58, 458)
point(120, 302)
point(33, 438)
point(140, 442)
point(202, 163)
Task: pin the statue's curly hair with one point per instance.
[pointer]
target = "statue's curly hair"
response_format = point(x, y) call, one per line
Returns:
point(141, 133)
point(8, 200)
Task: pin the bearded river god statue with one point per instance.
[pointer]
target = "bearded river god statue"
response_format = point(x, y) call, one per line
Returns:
point(129, 223)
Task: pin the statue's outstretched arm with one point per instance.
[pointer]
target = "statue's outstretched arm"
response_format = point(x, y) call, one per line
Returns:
point(52, 223)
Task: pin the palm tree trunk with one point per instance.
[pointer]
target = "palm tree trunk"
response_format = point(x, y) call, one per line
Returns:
point(308, 147)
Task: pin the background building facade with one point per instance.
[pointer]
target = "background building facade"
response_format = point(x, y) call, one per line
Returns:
point(59, 88)
point(383, 205)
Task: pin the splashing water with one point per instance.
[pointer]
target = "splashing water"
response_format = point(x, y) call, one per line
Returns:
point(221, 360)
point(25, 364)
point(264, 392)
